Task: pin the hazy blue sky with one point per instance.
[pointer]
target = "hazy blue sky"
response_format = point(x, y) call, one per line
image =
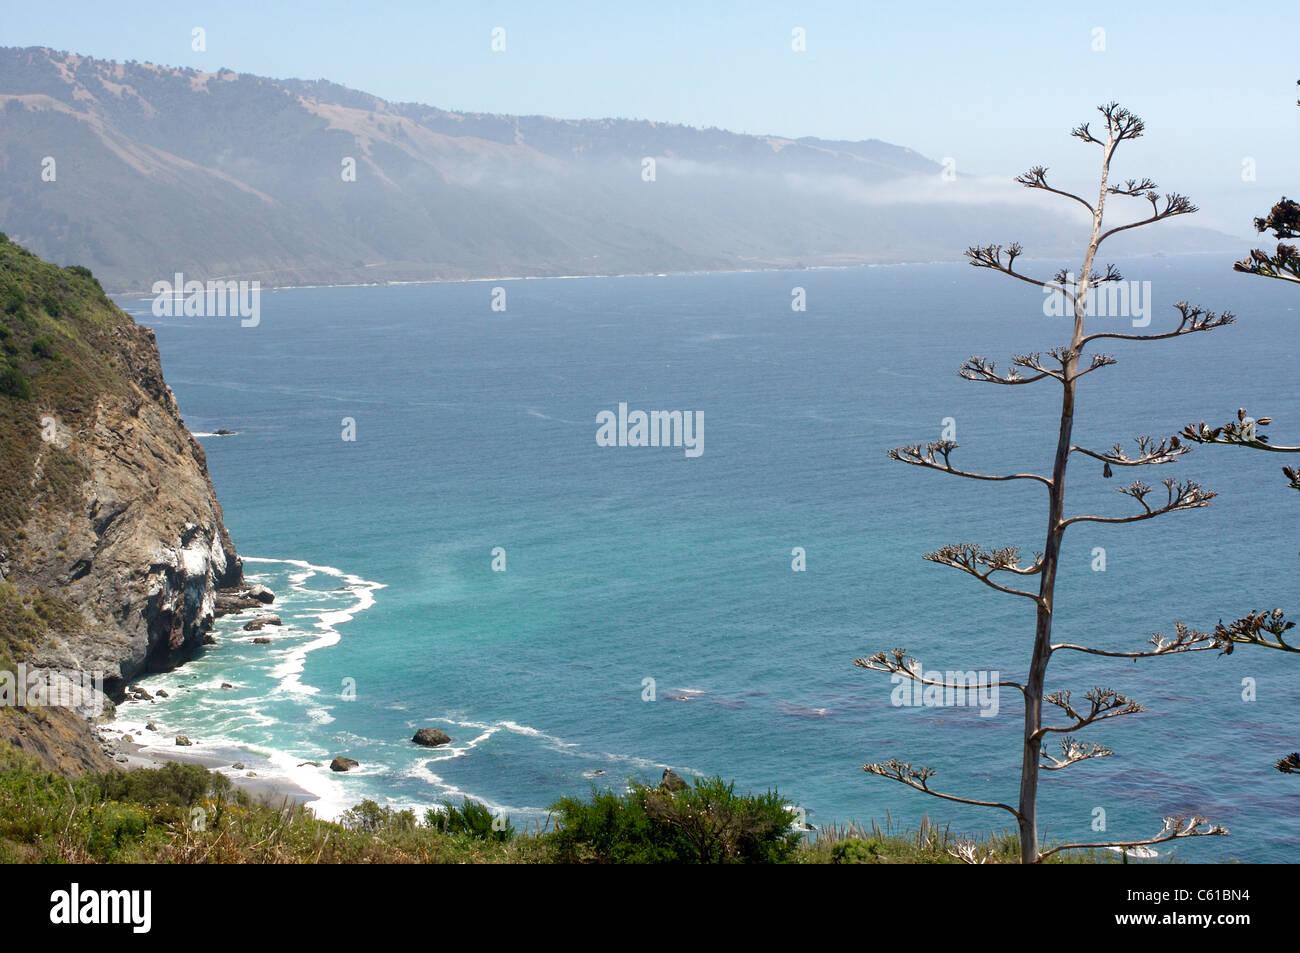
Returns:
point(994, 86)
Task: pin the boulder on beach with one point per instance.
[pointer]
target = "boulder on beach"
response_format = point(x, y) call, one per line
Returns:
point(237, 766)
point(261, 594)
point(261, 640)
point(343, 764)
point(183, 741)
point(162, 693)
point(672, 781)
point(128, 739)
point(431, 737)
point(226, 685)
point(260, 621)
point(151, 727)
point(138, 693)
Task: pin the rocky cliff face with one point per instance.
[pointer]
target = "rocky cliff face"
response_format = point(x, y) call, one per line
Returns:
point(142, 549)
point(111, 535)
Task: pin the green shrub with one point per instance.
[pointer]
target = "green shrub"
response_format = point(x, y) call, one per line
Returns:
point(609, 829)
point(182, 785)
point(704, 824)
point(471, 818)
point(370, 817)
point(43, 347)
point(14, 383)
point(857, 851)
point(112, 827)
point(721, 827)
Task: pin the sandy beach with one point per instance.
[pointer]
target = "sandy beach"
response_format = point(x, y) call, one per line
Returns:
point(262, 788)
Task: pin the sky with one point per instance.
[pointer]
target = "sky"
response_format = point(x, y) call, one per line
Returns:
point(996, 88)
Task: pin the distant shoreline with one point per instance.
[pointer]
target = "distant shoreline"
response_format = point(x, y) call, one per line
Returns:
point(392, 283)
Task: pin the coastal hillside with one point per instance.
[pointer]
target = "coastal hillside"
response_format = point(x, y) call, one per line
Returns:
point(112, 546)
point(140, 171)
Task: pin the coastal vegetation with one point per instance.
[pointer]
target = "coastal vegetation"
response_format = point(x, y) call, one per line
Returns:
point(183, 813)
point(56, 358)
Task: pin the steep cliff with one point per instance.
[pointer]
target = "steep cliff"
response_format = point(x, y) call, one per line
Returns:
point(112, 545)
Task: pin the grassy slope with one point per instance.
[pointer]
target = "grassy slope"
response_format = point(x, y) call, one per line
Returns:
point(146, 816)
point(59, 351)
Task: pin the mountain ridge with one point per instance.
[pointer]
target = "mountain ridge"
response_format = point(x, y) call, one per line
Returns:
point(164, 169)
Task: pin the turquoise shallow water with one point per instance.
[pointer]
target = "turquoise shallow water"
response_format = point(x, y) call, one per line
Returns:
point(476, 429)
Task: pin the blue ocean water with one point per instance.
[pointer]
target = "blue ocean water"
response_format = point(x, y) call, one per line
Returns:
point(475, 429)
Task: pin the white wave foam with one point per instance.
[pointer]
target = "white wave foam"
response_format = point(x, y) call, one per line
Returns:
point(570, 748)
point(421, 771)
point(515, 728)
point(362, 591)
point(330, 795)
point(317, 616)
point(534, 412)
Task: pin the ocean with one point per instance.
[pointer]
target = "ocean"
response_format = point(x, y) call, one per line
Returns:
point(577, 615)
